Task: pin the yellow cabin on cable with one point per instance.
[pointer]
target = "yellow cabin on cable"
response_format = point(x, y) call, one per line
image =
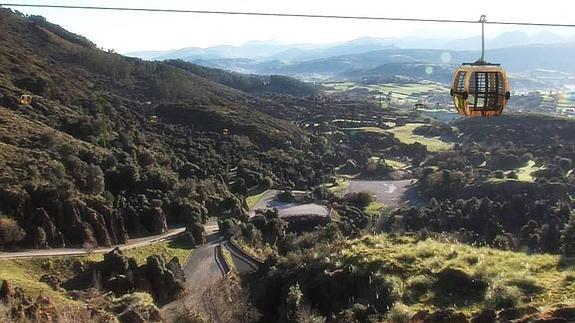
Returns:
point(153, 119)
point(480, 89)
point(25, 99)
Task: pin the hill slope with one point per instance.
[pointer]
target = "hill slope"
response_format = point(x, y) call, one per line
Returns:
point(112, 147)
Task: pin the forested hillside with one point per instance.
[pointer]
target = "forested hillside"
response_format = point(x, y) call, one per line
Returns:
point(113, 147)
point(419, 220)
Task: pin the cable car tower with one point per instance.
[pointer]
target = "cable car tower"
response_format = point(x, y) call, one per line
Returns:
point(480, 89)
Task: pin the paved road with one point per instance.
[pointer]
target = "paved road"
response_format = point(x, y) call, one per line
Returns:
point(268, 200)
point(132, 243)
point(388, 192)
point(201, 272)
point(243, 265)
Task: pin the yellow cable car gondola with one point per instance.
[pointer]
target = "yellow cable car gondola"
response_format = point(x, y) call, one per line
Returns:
point(153, 119)
point(25, 99)
point(480, 89)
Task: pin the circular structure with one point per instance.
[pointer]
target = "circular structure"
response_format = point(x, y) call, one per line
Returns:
point(480, 89)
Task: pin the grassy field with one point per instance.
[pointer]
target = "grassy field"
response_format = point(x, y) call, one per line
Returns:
point(395, 164)
point(399, 91)
point(405, 134)
point(523, 173)
point(252, 200)
point(26, 273)
point(164, 249)
point(412, 266)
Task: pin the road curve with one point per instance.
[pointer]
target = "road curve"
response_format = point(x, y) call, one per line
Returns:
point(201, 271)
point(132, 243)
point(268, 200)
point(243, 264)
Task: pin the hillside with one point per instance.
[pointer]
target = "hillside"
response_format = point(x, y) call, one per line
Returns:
point(523, 62)
point(383, 278)
point(420, 221)
point(114, 147)
point(256, 84)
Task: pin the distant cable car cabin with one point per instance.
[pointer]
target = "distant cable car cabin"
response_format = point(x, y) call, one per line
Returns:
point(153, 119)
point(25, 99)
point(480, 89)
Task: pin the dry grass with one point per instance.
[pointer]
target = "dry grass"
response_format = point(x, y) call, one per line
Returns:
point(26, 273)
point(252, 200)
point(536, 280)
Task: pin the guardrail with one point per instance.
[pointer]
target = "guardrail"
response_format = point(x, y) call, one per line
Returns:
point(238, 248)
point(221, 261)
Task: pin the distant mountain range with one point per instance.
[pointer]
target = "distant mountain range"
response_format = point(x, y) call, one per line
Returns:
point(274, 50)
point(380, 59)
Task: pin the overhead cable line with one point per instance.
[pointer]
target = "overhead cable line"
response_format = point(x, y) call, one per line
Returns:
point(277, 14)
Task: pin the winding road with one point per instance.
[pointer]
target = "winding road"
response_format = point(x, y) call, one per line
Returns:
point(132, 243)
point(268, 200)
point(202, 270)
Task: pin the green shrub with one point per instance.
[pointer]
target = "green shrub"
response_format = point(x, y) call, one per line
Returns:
point(500, 296)
point(10, 232)
point(417, 286)
point(568, 237)
point(398, 314)
point(359, 199)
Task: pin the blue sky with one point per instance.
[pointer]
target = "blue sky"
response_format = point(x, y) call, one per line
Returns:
point(132, 31)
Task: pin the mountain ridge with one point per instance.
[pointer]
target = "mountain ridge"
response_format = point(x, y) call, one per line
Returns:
point(301, 51)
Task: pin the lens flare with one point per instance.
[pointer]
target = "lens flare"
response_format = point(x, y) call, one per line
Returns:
point(445, 57)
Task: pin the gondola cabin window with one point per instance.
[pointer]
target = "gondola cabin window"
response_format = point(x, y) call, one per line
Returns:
point(486, 91)
point(460, 82)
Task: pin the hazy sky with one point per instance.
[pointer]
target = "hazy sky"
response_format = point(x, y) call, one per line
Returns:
point(132, 31)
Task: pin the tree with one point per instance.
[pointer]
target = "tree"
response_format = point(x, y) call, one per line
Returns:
point(359, 199)
point(10, 232)
point(568, 237)
point(197, 231)
point(228, 227)
point(95, 180)
point(294, 302)
point(40, 238)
